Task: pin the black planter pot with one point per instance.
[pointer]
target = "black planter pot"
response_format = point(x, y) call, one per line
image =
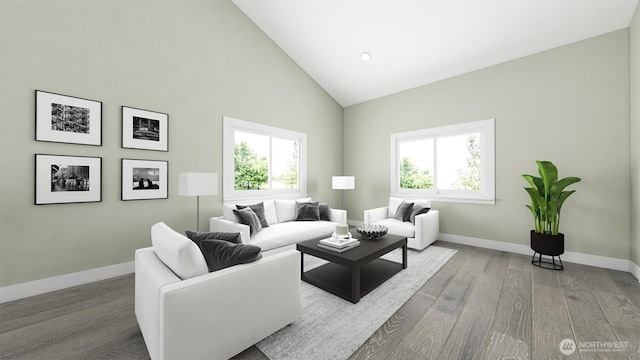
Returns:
point(550, 245)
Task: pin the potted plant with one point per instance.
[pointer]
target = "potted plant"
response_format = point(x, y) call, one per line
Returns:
point(547, 196)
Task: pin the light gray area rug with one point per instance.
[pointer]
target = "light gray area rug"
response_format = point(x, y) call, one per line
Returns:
point(333, 328)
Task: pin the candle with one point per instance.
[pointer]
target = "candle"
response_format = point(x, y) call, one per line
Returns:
point(342, 229)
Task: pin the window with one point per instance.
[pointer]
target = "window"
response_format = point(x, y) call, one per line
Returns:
point(448, 163)
point(262, 161)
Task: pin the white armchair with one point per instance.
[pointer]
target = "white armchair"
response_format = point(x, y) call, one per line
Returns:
point(213, 315)
point(425, 231)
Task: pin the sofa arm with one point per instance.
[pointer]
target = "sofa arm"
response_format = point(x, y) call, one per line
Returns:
point(220, 224)
point(151, 275)
point(220, 314)
point(377, 214)
point(427, 229)
point(338, 215)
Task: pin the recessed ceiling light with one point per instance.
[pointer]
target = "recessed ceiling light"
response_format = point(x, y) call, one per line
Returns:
point(365, 56)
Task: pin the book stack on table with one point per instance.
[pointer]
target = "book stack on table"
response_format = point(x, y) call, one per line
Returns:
point(337, 244)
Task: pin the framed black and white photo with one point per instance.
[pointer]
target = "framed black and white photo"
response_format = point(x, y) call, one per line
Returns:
point(68, 119)
point(144, 179)
point(143, 129)
point(61, 179)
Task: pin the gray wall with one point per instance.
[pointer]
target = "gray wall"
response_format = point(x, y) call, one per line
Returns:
point(569, 105)
point(635, 138)
point(195, 60)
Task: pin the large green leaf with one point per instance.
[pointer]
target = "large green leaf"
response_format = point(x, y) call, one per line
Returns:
point(556, 188)
point(548, 173)
point(563, 196)
point(536, 182)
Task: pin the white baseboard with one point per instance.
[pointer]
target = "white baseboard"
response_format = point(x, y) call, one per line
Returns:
point(635, 269)
point(42, 286)
point(568, 256)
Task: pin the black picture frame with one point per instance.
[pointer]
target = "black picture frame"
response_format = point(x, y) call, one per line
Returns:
point(64, 179)
point(68, 119)
point(144, 179)
point(145, 129)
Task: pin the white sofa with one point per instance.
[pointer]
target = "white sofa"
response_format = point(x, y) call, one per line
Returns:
point(283, 231)
point(185, 312)
point(425, 231)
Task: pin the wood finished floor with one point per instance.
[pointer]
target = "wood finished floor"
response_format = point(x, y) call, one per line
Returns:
point(482, 304)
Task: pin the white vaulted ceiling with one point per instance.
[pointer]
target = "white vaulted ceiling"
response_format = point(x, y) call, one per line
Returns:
point(416, 42)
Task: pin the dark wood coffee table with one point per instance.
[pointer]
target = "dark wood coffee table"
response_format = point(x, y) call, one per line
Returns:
point(353, 273)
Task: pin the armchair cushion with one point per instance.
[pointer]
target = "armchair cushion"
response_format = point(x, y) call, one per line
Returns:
point(220, 254)
point(403, 213)
point(417, 210)
point(394, 203)
point(397, 227)
point(180, 254)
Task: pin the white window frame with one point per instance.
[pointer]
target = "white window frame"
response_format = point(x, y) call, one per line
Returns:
point(487, 163)
point(229, 193)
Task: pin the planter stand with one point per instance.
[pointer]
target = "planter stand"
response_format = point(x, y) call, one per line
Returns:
point(549, 245)
point(547, 264)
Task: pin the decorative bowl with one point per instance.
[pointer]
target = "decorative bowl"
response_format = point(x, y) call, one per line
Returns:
point(372, 231)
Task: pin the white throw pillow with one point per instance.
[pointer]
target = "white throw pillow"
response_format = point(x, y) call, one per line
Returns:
point(270, 212)
point(176, 251)
point(395, 202)
point(227, 212)
point(286, 209)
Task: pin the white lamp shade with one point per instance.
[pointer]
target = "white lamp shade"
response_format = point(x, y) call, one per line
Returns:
point(343, 182)
point(197, 184)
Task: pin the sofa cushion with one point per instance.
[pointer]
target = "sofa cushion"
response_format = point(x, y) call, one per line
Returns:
point(220, 254)
point(291, 232)
point(417, 210)
point(403, 213)
point(180, 254)
point(197, 237)
point(397, 227)
point(270, 212)
point(286, 209)
point(395, 202)
point(248, 217)
point(258, 208)
point(325, 211)
point(307, 211)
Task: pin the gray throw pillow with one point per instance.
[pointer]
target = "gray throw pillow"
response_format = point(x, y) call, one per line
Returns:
point(220, 254)
point(417, 210)
point(325, 211)
point(248, 217)
point(258, 208)
point(307, 211)
point(197, 237)
point(404, 211)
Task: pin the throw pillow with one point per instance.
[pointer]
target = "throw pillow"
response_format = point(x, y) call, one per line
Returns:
point(197, 237)
point(325, 211)
point(286, 209)
point(248, 217)
point(220, 254)
point(258, 208)
point(180, 254)
point(307, 211)
point(417, 210)
point(404, 211)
